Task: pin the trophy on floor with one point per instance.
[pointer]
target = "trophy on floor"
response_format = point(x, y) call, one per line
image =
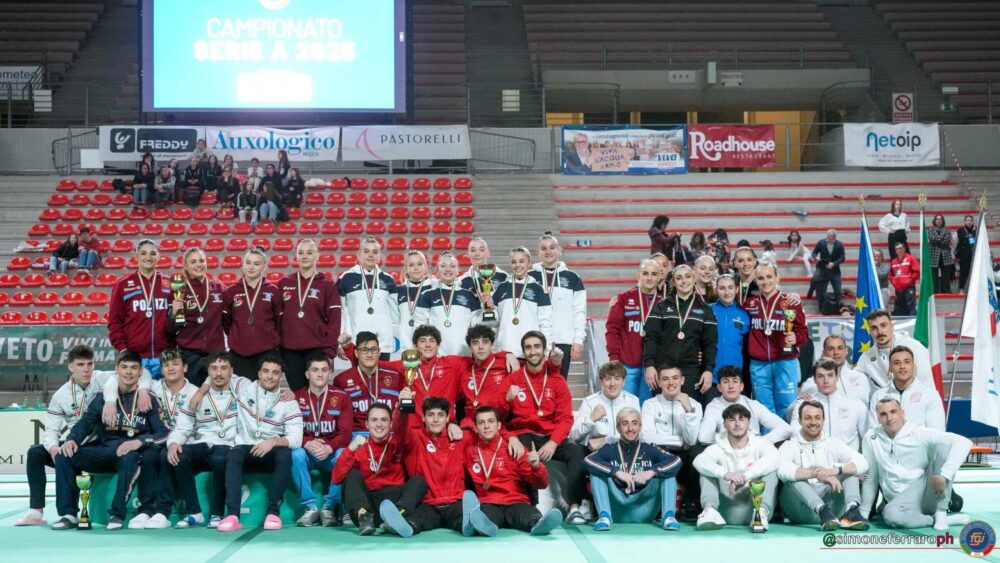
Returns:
point(756, 495)
point(789, 327)
point(411, 368)
point(486, 273)
point(84, 482)
point(177, 284)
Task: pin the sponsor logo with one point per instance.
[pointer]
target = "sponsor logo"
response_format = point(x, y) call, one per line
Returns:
point(181, 141)
point(875, 142)
point(977, 538)
point(294, 142)
point(702, 147)
point(123, 140)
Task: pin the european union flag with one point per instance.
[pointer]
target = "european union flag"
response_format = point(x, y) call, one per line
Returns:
point(869, 297)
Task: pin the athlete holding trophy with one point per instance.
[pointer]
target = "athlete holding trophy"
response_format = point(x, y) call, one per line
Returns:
point(411, 370)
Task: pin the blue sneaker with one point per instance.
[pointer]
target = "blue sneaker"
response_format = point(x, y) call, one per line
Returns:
point(482, 523)
point(469, 503)
point(549, 522)
point(603, 522)
point(393, 519)
point(670, 523)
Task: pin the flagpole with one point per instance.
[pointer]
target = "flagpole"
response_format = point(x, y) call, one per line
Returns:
point(954, 361)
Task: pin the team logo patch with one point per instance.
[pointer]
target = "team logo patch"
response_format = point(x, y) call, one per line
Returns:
point(286, 296)
point(475, 468)
point(238, 301)
point(386, 380)
point(522, 397)
point(430, 447)
point(267, 296)
point(977, 538)
point(472, 385)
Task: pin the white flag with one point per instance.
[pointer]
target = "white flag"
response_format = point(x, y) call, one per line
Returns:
point(982, 314)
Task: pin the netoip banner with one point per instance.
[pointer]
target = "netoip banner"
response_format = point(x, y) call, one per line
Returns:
point(891, 145)
point(623, 150)
point(730, 146)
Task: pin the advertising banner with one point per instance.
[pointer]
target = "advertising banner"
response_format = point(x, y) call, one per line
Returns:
point(623, 150)
point(124, 143)
point(14, 79)
point(33, 358)
point(730, 146)
point(891, 145)
point(245, 143)
point(21, 430)
point(399, 142)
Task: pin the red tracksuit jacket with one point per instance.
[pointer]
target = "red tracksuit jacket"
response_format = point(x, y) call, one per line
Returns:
point(556, 419)
point(904, 272)
point(768, 348)
point(321, 325)
point(363, 390)
point(336, 417)
point(442, 375)
point(437, 459)
point(251, 339)
point(207, 336)
point(509, 479)
point(623, 329)
point(390, 473)
point(128, 326)
point(493, 386)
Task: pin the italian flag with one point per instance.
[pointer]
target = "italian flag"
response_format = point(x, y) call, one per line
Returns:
point(928, 330)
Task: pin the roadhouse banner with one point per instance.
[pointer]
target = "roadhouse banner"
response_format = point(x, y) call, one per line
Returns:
point(730, 146)
point(623, 150)
point(407, 142)
point(244, 143)
point(124, 143)
point(891, 145)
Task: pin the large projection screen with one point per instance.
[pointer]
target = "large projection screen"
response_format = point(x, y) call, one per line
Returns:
point(274, 55)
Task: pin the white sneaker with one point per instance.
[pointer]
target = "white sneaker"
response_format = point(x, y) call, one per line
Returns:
point(158, 522)
point(710, 519)
point(943, 520)
point(575, 516)
point(139, 522)
point(586, 510)
point(764, 516)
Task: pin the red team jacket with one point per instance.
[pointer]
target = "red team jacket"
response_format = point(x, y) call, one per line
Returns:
point(390, 473)
point(509, 478)
point(437, 459)
point(321, 325)
point(128, 326)
point(363, 391)
point(251, 339)
point(442, 374)
point(904, 272)
point(623, 336)
point(336, 419)
point(557, 404)
point(492, 388)
point(768, 348)
point(205, 337)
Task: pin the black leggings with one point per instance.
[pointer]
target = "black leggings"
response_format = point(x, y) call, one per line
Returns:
point(278, 462)
point(248, 366)
point(295, 366)
point(522, 516)
point(572, 455)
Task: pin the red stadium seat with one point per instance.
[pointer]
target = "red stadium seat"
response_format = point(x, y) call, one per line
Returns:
point(208, 198)
point(46, 299)
point(223, 228)
point(359, 183)
point(163, 262)
point(375, 228)
point(353, 228)
point(160, 214)
point(95, 215)
point(274, 277)
point(328, 244)
point(22, 299)
point(87, 185)
point(335, 213)
point(232, 262)
point(102, 199)
point(463, 183)
point(71, 299)
point(49, 214)
point(191, 243)
point(378, 213)
point(397, 228)
point(39, 230)
point(34, 280)
point(348, 260)
point(441, 243)
point(400, 198)
point(106, 280)
point(419, 243)
point(212, 262)
point(11, 318)
point(465, 213)
point(9, 280)
point(181, 213)
point(114, 263)
point(421, 184)
point(58, 200)
point(394, 260)
point(237, 245)
point(339, 184)
point(401, 184)
point(79, 200)
point(315, 199)
point(37, 318)
point(106, 185)
point(442, 183)
point(396, 243)
point(204, 214)
point(463, 259)
point(313, 213)
point(294, 213)
point(116, 215)
point(81, 279)
point(442, 213)
point(166, 245)
point(421, 213)
point(66, 185)
point(264, 243)
point(63, 230)
point(336, 199)
point(351, 244)
point(57, 280)
point(62, 318)
point(380, 184)
point(225, 214)
point(399, 213)
point(326, 261)
point(464, 227)
point(52, 244)
point(96, 298)
point(107, 230)
point(420, 228)
point(227, 278)
point(357, 199)
point(278, 261)
point(72, 215)
point(197, 229)
point(215, 245)
point(379, 198)
point(130, 229)
point(173, 229)
point(463, 197)
point(309, 229)
point(40, 263)
point(138, 214)
point(264, 229)
point(442, 197)
point(421, 198)
point(89, 318)
point(122, 200)
point(283, 245)
point(287, 228)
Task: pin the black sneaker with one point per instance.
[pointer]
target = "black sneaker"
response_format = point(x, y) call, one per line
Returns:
point(366, 524)
point(956, 503)
point(826, 520)
point(853, 520)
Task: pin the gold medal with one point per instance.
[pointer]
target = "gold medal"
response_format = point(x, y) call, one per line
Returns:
point(477, 384)
point(486, 485)
point(680, 335)
point(488, 470)
point(198, 302)
point(515, 321)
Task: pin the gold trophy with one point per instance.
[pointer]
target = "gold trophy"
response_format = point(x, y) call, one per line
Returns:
point(84, 482)
point(177, 284)
point(486, 273)
point(756, 495)
point(411, 367)
point(789, 326)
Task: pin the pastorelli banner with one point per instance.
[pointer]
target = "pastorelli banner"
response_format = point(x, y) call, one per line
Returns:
point(623, 150)
point(891, 145)
point(730, 146)
point(403, 142)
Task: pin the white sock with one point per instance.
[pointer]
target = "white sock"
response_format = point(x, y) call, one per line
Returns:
point(35, 513)
point(199, 517)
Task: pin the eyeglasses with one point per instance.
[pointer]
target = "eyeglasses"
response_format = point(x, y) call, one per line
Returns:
point(374, 350)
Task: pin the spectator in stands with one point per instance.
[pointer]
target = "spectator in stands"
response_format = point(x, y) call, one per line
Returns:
point(697, 245)
point(271, 175)
point(254, 181)
point(246, 205)
point(142, 185)
point(798, 251)
point(829, 254)
point(227, 188)
point(201, 151)
point(284, 166)
point(963, 252)
point(882, 271)
point(212, 173)
point(578, 155)
point(148, 159)
point(768, 256)
point(904, 274)
point(296, 186)
point(193, 182)
point(175, 172)
point(164, 187)
point(895, 223)
point(254, 169)
point(718, 248)
point(62, 256)
point(942, 261)
point(660, 239)
point(228, 162)
point(270, 203)
point(89, 254)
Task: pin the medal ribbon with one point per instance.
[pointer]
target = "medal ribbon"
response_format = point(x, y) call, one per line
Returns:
point(371, 455)
point(477, 387)
point(369, 289)
point(317, 413)
point(220, 417)
point(368, 384)
point(549, 283)
point(83, 395)
point(514, 296)
point(166, 399)
point(129, 418)
point(769, 313)
point(251, 303)
point(412, 303)
point(147, 296)
point(744, 293)
point(257, 415)
point(537, 397)
point(298, 288)
point(644, 311)
point(446, 305)
point(683, 318)
point(482, 462)
point(201, 306)
point(629, 468)
point(420, 373)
